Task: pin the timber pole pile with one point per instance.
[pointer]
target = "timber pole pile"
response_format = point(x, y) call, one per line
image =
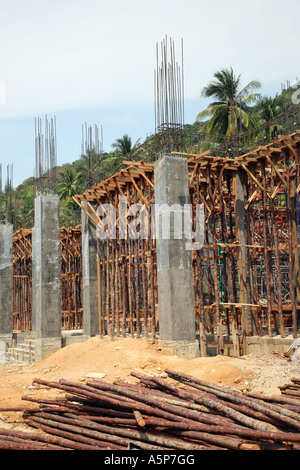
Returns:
point(292, 390)
point(178, 413)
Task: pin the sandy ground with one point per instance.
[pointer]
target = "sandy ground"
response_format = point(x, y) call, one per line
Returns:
point(117, 359)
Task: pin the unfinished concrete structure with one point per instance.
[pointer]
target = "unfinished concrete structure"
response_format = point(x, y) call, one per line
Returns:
point(250, 201)
point(6, 283)
point(71, 314)
point(89, 274)
point(120, 311)
point(237, 293)
point(46, 276)
point(240, 286)
point(240, 289)
point(174, 260)
point(22, 276)
point(71, 279)
point(244, 277)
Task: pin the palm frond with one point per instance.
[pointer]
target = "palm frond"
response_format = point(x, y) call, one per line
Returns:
point(228, 111)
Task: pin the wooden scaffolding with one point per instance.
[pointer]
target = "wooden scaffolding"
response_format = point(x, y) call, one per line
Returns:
point(126, 267)
point(22, 279)
point(246, 273)
point(71, 279)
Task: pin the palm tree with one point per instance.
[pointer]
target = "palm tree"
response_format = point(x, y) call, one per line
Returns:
point(268, 109)
point(69, 184)
point(123, 145)
point(228, 113)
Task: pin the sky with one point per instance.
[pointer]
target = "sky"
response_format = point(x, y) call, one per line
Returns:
point(93, 62)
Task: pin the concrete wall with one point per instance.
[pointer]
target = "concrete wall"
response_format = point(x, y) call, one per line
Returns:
point(174, 261)
point(267, 345)
point(46, 292)
point(6, 283)
point(89, 275)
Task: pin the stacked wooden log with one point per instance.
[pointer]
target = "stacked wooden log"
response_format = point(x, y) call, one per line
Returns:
point(179, 412)
point(292, 389)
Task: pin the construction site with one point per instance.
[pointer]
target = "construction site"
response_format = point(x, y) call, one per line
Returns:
point(170, 316)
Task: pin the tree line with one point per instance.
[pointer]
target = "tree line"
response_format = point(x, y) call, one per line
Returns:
point(233, 109)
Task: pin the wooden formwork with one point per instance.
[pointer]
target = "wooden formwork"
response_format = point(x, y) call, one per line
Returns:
point(22, 279)
point(246, 274)
point(126, 266)
point(250, 253)
point(71, 279)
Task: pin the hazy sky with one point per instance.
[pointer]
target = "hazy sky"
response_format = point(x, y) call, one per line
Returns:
point(93, 61)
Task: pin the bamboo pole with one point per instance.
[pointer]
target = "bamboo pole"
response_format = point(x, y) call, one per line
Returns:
point(202, 332)
point(228, 258)
point(290, 244)
point(216, 277)
point(266, 257)
point(277, 263)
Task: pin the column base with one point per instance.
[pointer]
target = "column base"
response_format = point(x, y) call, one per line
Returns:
point(7, 339)
point(5, 343)
point(182, 349)
point(44, 347)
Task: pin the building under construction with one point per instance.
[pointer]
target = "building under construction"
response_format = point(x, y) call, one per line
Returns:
point(235, 286)
point(245, 272)
point(71, 279)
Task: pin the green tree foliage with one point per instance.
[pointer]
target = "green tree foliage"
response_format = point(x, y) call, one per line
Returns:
point(69, 184)
point(25, 214)
point(23, 201)
point(268, 109)
point(234, 109)
point(124, 145)
point(228, 113)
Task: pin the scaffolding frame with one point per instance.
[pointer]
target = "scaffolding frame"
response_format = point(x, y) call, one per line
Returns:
point(250, 241)
point(71, 279)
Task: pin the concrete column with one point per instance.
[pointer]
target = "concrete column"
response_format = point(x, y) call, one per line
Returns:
point(33, 280)
point(6, 284)
point(174, 261)
point(89, 274)
point(46, 275)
